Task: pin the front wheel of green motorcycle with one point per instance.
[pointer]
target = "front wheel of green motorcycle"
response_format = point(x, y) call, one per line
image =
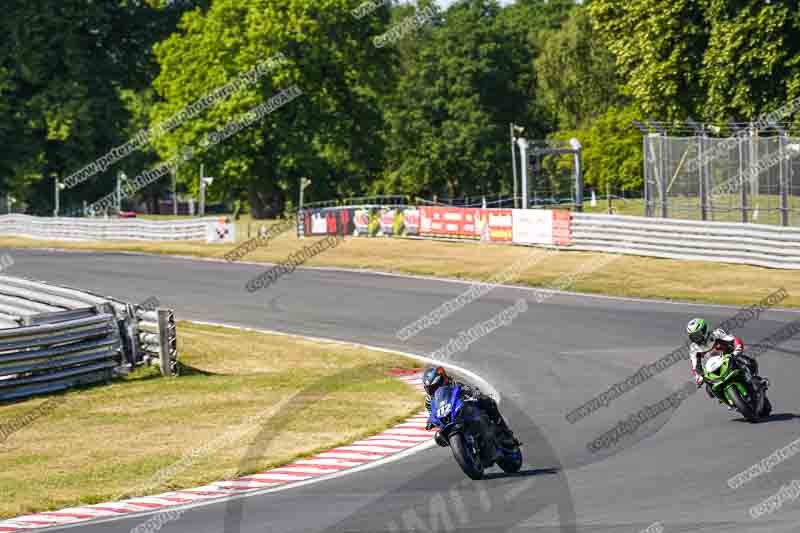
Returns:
point(742, 405)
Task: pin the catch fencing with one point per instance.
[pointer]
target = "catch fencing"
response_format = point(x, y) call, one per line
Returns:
point(748, 177)
point(209, 229)
point(753, 244)
point(53, 338)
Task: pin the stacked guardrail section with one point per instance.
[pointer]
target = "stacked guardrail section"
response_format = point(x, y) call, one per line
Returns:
point(97, 229)
point(53, 338)
point(753, 244)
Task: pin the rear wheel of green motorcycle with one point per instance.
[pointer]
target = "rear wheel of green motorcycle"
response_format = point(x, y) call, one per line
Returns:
point(511, 465)
point(742, 405)
point(767, 409)
point(470, 464)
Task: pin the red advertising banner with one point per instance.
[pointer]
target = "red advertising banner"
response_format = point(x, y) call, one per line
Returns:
point(500, 224)
point(441, 221)
point(466, 223)
point(562, 228)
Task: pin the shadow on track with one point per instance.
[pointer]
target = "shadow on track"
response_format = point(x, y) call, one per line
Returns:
point(780, 417)
point(524, 473)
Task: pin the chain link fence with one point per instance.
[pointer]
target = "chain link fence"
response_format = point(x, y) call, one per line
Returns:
point(744, 178)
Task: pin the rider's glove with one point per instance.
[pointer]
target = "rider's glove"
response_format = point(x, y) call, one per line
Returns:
point(429, 425)
point(698, 379)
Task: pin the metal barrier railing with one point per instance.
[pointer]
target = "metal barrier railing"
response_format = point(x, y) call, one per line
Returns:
point(54, 356)
point(54, 338)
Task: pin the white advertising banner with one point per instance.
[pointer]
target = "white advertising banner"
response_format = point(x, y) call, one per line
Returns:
point(220, 231)
point(532, 226)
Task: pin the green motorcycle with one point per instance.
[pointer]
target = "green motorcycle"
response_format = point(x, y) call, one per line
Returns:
point(729, 383)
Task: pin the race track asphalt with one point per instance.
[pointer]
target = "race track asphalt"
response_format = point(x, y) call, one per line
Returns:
point(551, 359)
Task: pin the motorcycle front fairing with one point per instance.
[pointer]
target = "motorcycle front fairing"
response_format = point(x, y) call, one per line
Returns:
point(449, 412)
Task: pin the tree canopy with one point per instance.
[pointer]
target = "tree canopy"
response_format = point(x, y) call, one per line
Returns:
point(400, 98)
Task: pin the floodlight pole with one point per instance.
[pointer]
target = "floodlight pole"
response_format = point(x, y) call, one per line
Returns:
point(576, 145)
point(513, 161)
point(523, 146)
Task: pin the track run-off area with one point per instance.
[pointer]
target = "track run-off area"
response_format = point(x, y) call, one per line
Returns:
point(671, 473)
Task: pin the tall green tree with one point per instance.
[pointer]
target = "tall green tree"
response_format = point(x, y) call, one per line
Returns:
point(752, 63)
point(62, 67)
point(447, 121)
point(326, 134)
point(659, 47)
point(576, 73)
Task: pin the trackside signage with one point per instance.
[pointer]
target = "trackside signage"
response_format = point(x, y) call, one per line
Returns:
point(220, 231)
point(541, 226)
point(520, 226)
point(533, 226)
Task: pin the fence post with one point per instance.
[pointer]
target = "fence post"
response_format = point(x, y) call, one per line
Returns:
point(784, 180)
point(648, 172)
point(662, 182)
point(702, 185)
point(742, 184)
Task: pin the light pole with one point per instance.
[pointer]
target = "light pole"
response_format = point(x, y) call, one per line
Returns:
point(576, 145)
point(120, 178)
point(304, 182)
point(512, 129)
point(204, 181)
point(58, 187)
point(523, 146)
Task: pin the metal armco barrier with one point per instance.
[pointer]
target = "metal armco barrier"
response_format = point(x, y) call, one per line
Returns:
point(752, 244)
point(80, 229)
point(53, 338)
point(55, 356)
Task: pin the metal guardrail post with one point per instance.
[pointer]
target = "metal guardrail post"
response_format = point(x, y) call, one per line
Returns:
point(168, 342)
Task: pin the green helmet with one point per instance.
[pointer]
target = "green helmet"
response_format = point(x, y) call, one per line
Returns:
point(697, 329)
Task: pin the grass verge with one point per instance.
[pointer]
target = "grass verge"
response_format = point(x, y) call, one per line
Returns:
point(145, 434)
point(621, 275)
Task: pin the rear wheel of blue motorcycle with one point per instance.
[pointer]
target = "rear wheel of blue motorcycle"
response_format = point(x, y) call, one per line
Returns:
point(470, 464)
point(512, 464)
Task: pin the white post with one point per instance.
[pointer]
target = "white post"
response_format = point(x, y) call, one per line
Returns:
point(55, 210)
point(202, 210)
point(513, 162)
point(576, 145)
point(523, 147)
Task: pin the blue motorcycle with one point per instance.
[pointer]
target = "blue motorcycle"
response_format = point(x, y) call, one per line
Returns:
point(472, 438)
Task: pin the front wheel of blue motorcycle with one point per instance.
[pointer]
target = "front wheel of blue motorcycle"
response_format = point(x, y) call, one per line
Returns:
point(464, 456)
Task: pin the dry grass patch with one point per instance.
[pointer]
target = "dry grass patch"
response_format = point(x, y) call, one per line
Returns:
point(290, 396)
